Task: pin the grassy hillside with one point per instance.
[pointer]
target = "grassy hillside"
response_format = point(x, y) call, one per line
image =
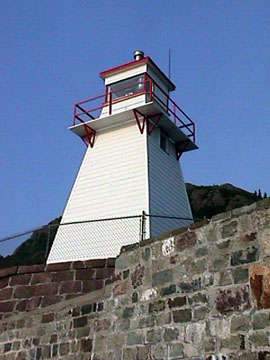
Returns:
point(207, 201)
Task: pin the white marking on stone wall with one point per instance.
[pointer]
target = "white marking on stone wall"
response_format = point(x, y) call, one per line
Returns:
point(168, 246)
point(149, 294)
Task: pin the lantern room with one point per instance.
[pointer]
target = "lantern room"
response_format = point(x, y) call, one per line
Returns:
point(136, 91)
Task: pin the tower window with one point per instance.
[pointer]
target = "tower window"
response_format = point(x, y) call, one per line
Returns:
point(164, 143)
point(127, 87)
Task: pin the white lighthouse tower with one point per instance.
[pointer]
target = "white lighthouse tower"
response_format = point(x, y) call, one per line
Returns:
point(135, 135)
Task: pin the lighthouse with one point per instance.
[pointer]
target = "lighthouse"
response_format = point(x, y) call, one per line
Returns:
point(135, 136)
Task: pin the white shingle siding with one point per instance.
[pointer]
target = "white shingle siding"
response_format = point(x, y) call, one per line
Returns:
point(111, 182)
point(166, 186)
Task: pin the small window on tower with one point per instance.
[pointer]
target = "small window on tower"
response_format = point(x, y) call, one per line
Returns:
point(164, 142)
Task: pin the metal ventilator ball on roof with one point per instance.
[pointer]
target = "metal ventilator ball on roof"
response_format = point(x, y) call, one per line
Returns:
point(138, 54)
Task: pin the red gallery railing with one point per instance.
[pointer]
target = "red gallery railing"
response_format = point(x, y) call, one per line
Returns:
point(82, 112)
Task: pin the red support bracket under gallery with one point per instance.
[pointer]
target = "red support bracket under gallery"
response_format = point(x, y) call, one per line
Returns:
point(180, 148)
point(148, 121)
point(89, 139)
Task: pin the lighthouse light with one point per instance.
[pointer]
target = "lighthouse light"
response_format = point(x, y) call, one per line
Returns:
point(128, 87)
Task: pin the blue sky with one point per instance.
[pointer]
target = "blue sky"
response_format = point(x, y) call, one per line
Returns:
point(51, 56)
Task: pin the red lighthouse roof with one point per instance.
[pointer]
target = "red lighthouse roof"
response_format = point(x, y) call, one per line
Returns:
point(135, 63)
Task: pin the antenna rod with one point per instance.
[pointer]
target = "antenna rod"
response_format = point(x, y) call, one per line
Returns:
point(169, 63)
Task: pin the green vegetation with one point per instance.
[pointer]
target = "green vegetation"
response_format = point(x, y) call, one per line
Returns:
point(33, 250)
point(207, 201)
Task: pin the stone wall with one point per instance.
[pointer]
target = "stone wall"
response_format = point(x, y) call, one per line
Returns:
point(25, 288)
point(202, 292)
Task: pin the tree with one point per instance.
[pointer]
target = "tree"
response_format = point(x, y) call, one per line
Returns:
point(265, 195)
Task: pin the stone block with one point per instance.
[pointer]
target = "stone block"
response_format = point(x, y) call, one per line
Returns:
point(229, 230)
point(181, 316)
point(234, 342)
point(23, 279)
point(199, 298)
point(261, 320)
point(82, 332)
point(86, 274)
point(129, 353)
point(154, 336)
point(223, 244)
point(50, 300)
point(135, 297)
point(126, 260)
point(92, 285)
point(246, 256)
point(210, 345)
point(264, 355)
point(159, 351)
point(219, 262)
point(147, 322)
point(192, 286)
point(86, 309)
point(134, 338)
point(24, 291)
point(113, 278)
point(28, 304)
point(86, 345)
point(80, 322)
point(95, 263)
point(4, 282)
point(64, 349)
point(59, 266)
point(65, 275)
point(41, 278)
point(70, 287)
point(244, 356)
point(162, 277)
point(233, 299)
point(46, 289)
point(78, 265)
point(102, 324)
point(137, 276)
point(7, 347)
point(163, 318)
point(6, 294)
point(30, 269)
point(202, 251)
point(200, 313)
point(176, 351)
point(53, 339)
point(259, 339)
point(143, 352)
point(156, 306)
point(195, 333)
point(104, 273)
point(240, 275)
point(47, 318)
point(177, 301)
point(240, 323)
point(170, 334)
point(259, 282)
point(120, 289)
point(126, 274)
point(110, 262)
point(8, 271)
point(128, 313)
point(185, 240)
point(168, 290)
